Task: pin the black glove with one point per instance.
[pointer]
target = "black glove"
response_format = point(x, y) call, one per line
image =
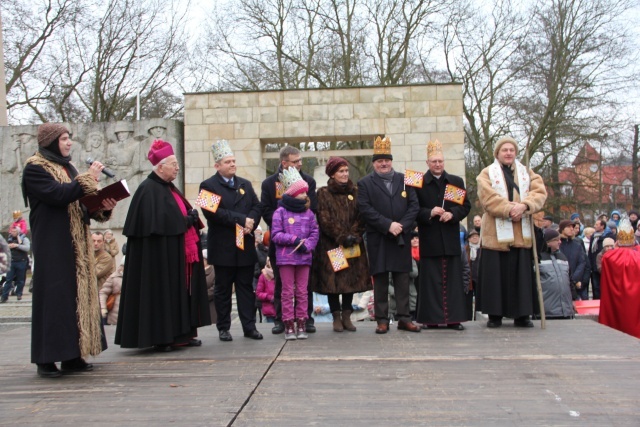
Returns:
point(192, 218)
point(303, 249)
point(350, 240)
point(296, 242)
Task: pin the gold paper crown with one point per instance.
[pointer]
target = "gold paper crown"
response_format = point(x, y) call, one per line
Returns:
point(434, 148)
point(382, 146)
point(625, 236)
point(289, 176)
point(221, 150)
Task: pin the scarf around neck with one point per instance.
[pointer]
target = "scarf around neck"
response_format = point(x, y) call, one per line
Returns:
point(500, 184)
point(292, 204)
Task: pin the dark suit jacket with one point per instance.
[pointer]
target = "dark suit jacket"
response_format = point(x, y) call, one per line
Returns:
point(379, 209)
point(238, 203)
point(268, 196)
point(440, 238)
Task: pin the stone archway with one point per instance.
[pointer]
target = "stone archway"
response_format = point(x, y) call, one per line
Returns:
point(410, 115)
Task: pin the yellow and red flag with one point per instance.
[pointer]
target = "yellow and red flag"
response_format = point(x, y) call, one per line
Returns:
point(454, 194)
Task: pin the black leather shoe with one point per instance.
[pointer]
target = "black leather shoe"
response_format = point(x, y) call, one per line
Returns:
point(76, 365)
point(455, 326)
point(425, 326)
point(309, 326)
point(523, 322)
point(278, 328)
point(163, 348)
point(48, 370)
point(494, 323)
point(225, 336)
point(254, 335)
point(194, 343)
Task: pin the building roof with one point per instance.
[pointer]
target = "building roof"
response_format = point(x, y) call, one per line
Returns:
point(587, 154)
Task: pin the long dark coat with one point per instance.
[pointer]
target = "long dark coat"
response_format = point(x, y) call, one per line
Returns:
point(379, 209)
point(338, 217)
point(64, 263)
point(157, 306)
point(237, 203)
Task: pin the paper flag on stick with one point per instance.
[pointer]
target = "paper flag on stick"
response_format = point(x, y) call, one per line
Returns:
point(337, 258)
point(352, 252)
point(279, 190)
point(208, 200)
point(240, 237)
point(454, 194)
point(413, 178)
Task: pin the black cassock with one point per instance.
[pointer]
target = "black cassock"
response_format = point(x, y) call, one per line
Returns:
point(157, 306)
point(441, 297)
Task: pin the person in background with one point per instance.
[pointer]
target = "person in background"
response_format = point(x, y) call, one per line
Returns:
point(111, 246)
point(547, 222)
point(557, 290)
point(265, 292)
point(638, 234)
point(595, 247)
point(66, 324)
point(608, 244)
point(573, 250)
point(19, 245)
point(210, 275)
point(615, 217)
point(633, 219)
point(104, 261)
point(339, 219)
point(19, 221)
point(112, 286)
point(575, 217)
point(473, 256)
point(321, 310)
point(477, 223)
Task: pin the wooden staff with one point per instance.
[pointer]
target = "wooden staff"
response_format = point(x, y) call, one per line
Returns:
point(534, 248)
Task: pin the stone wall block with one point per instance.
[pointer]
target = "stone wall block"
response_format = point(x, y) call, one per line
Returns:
point(371, 94)
point(296, 97)
point(372, 126)
point(346, 96)
point(448, 107)
point(265, 114)
point(290, 113)
point(391, 109)
point(196, 132)
point(196, 159)
point(324, 129)
point(449, 123)
point(366, 111)
point(343, 111)
point(322, 96)
point(270, 99)
point(416, 109)
point(424, 124)
point(424, 93)
point(194, 175)
point(348, 128)
point(272, 130)
point(251, 144)
point(246, 130)
point(402, 125)
point(245, 99)
point(214, 115)
point(193, 117)
point(296, 130)
point(317, 112)
point(397, 93)
point(221, 131)
point(220, 100)
point(449, 92)
point(240, 115)
point(246, 158)
point(196, 101)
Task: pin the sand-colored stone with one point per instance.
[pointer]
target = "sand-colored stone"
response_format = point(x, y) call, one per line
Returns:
point(214, 115)
point(391, 109)
point(196, 132)
point(424, 93)
point(290, 113)
point(416, 108)
point(450, 107)
point(220, 100)
point(193, 117)
point(245, 99)
point(343, 111)
point(246, 130)
point(321, 96)
point(192, 102)
point(371, 94)
point(196, 159)
point(369, 110)
point(296, 97)
point(348, 128)
point(317, 112)
point(296, 129)
point(265, 114)
point(398, 125)
point(449, 92)
point(221, 132)
point(271, 98)
point(272, 130)
point(346, 96)
point(193, 175)
point(322, 129)
point(372, 126)
point(240, 115)
point(449, 123)
point(424, 124)
point(397, 93)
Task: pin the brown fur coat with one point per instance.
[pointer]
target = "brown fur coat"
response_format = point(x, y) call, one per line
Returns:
point(338, 217)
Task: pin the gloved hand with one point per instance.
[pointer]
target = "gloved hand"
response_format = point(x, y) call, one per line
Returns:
point(303, 249)
point(195, 218)
point(296, 242)
point(350, 240)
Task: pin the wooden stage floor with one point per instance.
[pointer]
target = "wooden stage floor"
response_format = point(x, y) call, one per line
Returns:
point(574, 373)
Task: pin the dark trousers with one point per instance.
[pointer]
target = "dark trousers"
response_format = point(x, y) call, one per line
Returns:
point(277, 292)
point(17, 274)
point(381, 296)
point(595, 284)
point(334, 302)
point(242, 277)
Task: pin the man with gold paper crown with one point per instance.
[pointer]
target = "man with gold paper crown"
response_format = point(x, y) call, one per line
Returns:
point(231, 243)
point(619, 284)
point(389, 210)
point(441, 298)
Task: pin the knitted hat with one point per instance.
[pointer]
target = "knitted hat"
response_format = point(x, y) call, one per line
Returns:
point(626, 235)
point(548, 218)
point(221, 149)
point(550, 234)
point(382, 149)
point(608, 242)
point(49, 132)
point(501, 142)
point(293, 182)
point(159, 150)
point(575, 216)
point(473, 233)
point(334, 164)
point(612, 224)
point(564, 224)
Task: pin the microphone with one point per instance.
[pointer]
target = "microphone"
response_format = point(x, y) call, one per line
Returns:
point(105, 171)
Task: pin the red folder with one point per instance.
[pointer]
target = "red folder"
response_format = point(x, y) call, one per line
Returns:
point(117, 191)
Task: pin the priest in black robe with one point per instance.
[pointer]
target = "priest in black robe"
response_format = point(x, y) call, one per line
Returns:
point(441, 294)
point(164, 291)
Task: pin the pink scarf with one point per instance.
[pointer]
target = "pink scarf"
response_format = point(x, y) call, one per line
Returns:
point(190, 240)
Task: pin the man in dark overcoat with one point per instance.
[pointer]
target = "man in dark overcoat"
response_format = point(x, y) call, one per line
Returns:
point(239, 205)
point(289, 156)
point(389, 210)
point(441, 296)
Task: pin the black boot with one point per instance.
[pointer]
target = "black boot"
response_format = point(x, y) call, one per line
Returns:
point(76, 365)
point(278, 327)
point(48, 370)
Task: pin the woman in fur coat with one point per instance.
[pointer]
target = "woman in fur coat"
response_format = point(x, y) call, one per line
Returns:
point(340, 225)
